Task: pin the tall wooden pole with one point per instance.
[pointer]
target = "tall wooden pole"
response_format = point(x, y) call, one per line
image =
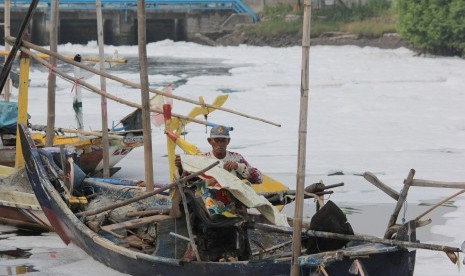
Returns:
point(144, 82)
point(300, 185)
point(103, 87)
point(52, 77)
point(22, 31)
point(6, 89)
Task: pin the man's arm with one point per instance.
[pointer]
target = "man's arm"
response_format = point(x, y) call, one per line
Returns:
point(245, 170)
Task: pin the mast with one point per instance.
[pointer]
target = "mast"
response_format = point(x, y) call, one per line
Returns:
point(52, 77)
point(22, 31)
point(300, 185)
point(103, 87)
point(6, 89)
point(24, 63)
point(144, 82)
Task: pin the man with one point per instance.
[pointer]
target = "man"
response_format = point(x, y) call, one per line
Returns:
point(227, 242)
point(233, 162)
point(219, 201)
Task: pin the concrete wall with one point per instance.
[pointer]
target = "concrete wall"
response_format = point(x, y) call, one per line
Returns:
point(120, 27)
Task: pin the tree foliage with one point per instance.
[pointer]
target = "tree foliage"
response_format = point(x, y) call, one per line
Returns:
point(436, 26)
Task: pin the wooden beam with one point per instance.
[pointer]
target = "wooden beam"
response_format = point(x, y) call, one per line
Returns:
point(437, 184)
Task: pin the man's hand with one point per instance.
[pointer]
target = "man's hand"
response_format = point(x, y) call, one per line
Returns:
point(230, 165)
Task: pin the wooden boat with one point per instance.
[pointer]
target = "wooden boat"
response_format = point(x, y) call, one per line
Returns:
point(156, 244)
point(18, 205)
point(89, 147)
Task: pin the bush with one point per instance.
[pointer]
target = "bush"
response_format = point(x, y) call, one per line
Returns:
point(436, 26)
point(370, 20)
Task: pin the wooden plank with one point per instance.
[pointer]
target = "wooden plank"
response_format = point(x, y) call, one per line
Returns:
point(134, 223)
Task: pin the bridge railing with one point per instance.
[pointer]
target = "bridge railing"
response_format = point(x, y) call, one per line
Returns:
point(177, 5)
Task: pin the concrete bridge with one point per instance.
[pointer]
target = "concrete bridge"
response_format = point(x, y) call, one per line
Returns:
point(178, 20)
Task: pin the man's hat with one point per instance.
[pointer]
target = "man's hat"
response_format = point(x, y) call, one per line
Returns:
point(219, 132)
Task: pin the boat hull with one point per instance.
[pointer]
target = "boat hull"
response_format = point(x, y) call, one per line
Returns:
point(30, 215)
point(17, 209)
point(71, 229)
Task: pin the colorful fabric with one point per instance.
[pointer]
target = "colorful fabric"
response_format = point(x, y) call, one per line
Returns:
point(217, 180)
point(217, 201)
point(244, 169)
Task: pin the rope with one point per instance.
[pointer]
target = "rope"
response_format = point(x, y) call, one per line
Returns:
point(405, 209)
point(50, 72)
point(75, 84)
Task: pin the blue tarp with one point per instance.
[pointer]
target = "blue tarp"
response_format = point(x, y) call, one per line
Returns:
point(8, 116)
point(8, 113)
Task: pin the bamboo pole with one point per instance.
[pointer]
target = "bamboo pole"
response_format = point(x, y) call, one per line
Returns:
point(438, 184)
point(52, 77)
point(439, 204)
point(98, 91)
point(11, 56)
point(7, 28)
point(75, 131)
point(145, 98)
point(300, 185)
point(103, 87)
point(355, 237)
point(146, 195)
point(138, 86)
point(90, 59)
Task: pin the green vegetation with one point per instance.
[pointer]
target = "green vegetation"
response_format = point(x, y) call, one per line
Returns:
point(436, 26)
point(370, 20)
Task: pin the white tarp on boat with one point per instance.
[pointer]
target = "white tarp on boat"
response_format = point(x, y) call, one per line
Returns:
point(241, 191)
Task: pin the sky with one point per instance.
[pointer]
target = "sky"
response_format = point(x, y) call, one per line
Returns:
point(370, 109)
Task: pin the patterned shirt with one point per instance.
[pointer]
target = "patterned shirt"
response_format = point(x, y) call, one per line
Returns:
point(244, 170)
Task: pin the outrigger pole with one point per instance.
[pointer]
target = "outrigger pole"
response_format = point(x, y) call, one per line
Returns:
point(135, 85)
point(300, 184)
point(145, 99)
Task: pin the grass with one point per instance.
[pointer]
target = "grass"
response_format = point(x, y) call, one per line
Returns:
point(370, 21)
